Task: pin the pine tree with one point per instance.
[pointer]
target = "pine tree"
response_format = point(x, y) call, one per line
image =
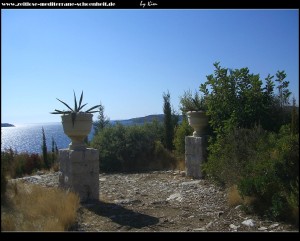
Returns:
point(102, 120)
point(44, 149)
point(168, 122)
point(283, 91)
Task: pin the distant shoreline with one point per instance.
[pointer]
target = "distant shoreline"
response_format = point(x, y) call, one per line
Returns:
point(7, 125)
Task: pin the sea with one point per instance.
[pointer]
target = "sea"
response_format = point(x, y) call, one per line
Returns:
point(29, 138)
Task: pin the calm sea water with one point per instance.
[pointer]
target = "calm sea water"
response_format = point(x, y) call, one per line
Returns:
point(29, 138)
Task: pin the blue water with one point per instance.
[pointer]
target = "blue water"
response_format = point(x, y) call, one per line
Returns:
point(29, 138)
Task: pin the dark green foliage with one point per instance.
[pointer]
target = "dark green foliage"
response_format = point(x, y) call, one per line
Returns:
point(44, 150)
point(129, 148)
point(283, 91)
point(168, 125)
point(236, 98)
point(54, 152)
point(229, 155)
point(171, 119)
point(190, 102)
point(102, 120)
point(181, 131)
point(264, 165)
point(294, 119)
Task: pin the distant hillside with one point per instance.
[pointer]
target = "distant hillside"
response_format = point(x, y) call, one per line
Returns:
point(7, 125)
point(142, 120)
point(148, 118)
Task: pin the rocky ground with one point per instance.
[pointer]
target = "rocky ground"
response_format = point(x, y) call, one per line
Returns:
point(161, 201)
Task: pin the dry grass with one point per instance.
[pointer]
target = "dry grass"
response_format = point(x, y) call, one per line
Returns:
point(55, 167)
point(36, 208)
point(234, 198)
point(180, 165)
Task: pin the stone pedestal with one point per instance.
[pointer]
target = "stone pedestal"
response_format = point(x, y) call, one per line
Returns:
point(79, 172)
point(195, 154)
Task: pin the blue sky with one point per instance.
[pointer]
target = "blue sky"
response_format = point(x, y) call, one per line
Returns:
point(127, 58)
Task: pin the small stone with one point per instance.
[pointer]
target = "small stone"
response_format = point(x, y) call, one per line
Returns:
point(249, 223)
point(36, 177)
point(175, 196)
point(262, 228)
point(190, 183)
point(199, 229)
point(232, 226)
point(208, 225)
point(121, 201)
point(102, 179)
point(274, 225)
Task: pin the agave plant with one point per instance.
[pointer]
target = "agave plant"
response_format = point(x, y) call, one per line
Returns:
point(77, 108)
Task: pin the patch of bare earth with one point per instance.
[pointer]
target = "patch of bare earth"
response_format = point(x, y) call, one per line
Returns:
point(166, 201)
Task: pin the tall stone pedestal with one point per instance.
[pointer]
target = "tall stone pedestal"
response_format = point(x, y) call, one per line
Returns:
point(195, 154)
point(80, 172)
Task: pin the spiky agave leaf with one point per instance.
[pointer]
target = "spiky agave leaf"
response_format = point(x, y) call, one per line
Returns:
point(75, 102)
point(65, 104)
point(60, 112)
point(94, 107)
point(79, 107)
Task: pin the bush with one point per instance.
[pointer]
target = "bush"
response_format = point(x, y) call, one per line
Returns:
point(263, 165)
point(230, 155)
point(181, 132)
point(19, 164)
point(130, 148)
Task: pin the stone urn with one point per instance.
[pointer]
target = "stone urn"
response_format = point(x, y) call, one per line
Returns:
point(199, 121)
point(79, 131)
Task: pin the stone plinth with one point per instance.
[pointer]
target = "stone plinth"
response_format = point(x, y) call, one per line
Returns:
point(79, 172)
point(194, 155)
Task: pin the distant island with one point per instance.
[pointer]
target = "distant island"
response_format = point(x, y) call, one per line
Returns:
point(7, 125)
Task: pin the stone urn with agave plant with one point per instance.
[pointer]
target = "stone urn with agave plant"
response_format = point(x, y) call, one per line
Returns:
point(194, 107)
point(77, 124)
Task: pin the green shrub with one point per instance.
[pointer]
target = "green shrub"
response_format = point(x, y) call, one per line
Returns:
point(230, 155)
point(131, 148)
point(263, 165)
point(19, 164)
point(181, 131)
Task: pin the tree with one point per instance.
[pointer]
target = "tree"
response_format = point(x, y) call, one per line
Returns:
point(294, 119)
point(54, 150)
point(283, 91)
point(102, 120)
point(237, 100)
point(44, 149)
point(168, 122)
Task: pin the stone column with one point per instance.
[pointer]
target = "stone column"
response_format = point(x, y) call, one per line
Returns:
point(79, 171)
point(195, 154)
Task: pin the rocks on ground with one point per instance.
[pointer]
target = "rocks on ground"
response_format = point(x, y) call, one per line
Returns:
point(160, 201)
